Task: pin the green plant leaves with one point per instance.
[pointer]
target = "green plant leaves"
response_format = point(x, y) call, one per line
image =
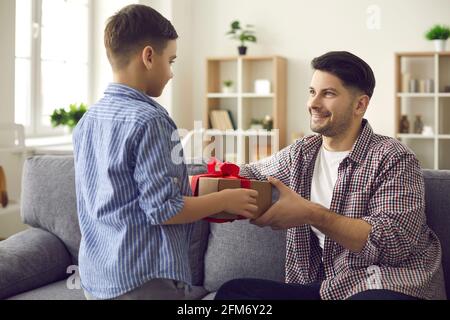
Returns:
point(240, 34)
point(438, 32)
point(70, 118)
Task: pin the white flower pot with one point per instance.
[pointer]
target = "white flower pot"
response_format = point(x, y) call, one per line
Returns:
point(439, 45)
point(227, 89)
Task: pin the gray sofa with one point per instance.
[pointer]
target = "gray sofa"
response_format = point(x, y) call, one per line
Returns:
point(41, 262)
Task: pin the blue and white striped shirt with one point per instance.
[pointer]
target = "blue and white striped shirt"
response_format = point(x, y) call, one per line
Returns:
point(127, 185)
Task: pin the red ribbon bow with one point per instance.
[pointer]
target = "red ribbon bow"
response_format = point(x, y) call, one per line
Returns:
point(227, 170)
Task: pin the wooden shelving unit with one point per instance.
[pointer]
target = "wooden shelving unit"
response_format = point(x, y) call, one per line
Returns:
point(433, 106)
point(245, 104)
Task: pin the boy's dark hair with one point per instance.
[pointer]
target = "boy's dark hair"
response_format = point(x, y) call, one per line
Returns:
point(352, 70)
point(132, 28)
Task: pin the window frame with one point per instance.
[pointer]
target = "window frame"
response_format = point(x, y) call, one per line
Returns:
point(37, 128)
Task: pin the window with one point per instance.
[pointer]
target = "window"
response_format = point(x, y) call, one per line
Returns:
point(52, 60)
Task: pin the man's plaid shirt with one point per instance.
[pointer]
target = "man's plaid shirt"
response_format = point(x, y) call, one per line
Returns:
point(381, 182)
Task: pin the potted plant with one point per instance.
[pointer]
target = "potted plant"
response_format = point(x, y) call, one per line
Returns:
point(439, 35)
point(69, 118)
point(227, 86)
point(242, 35)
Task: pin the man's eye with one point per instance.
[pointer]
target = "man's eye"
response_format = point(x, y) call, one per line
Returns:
point(172, 62)
point(311, 92)
point(329, 93)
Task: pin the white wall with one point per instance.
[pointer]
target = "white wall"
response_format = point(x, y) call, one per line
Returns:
point(301, 30)
point(7, 58)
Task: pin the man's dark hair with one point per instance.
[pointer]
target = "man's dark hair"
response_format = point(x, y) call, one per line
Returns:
point(131, 29)
point(352, 70)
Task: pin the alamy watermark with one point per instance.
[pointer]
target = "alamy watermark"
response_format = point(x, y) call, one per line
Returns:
point(73, 282)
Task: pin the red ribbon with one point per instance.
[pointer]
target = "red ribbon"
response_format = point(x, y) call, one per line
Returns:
point(227, 170)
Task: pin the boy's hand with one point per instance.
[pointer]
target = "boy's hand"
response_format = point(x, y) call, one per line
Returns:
point(240, 202)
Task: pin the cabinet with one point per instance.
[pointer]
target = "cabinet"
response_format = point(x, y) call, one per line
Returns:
point(248, 99)
point(423, 88)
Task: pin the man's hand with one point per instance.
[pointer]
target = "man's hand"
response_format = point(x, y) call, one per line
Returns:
point(291, 210)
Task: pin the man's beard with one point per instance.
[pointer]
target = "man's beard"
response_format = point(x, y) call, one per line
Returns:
point(332, 129)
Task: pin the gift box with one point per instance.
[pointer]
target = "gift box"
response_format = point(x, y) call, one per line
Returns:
point(227, 177)
point(209, 185)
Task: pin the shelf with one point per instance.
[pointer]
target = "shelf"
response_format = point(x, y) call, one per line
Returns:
point(423, 95)
point(222, 95)
point(415, 95)
point(239, 95)
point(414, 136)
point(235, 133)
point(257, 95)
point(444, 136)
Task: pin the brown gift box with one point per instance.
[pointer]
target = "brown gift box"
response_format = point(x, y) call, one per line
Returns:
point(210, 185)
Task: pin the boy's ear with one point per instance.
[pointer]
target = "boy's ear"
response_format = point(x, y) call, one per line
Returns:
point(147, 57)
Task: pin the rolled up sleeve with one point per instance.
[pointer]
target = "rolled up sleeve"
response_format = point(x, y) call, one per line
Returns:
point(396, 212)
point(277, 166)
point(157, 176)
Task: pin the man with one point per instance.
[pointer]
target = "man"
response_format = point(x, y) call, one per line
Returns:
point(352, 201)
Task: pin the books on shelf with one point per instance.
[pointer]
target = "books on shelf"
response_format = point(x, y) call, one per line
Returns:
point(222, 120)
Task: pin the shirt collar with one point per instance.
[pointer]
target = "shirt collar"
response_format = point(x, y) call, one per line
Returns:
point(360, 148)
point(115, 89)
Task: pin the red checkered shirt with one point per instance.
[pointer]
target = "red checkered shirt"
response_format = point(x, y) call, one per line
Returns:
point(381, 182)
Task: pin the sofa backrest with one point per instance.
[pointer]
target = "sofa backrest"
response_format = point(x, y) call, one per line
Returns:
point(437, 197)
point(49, 200)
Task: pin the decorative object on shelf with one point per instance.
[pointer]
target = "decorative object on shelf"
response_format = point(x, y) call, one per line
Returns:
point(422, 86)
point(256, 124)
point(427, 131)
point(447, 89)
point(221, 120)
point(242, 35)
point(3, 193)
point(406, 77)
point(227, 86)
point(404, 124)
point(418, 124)
point(439, 35)
point(69, 118)
point(268, 123)
point(262, 86)
point(429, 85)
point(413, 85)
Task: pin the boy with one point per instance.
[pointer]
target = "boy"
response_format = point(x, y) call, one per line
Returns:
point(134, 203)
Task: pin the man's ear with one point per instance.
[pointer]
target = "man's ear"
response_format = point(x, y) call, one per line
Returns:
point(362, 104)
point(147, 57)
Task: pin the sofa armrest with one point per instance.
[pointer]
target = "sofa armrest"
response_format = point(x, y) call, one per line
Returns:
point(31, 259)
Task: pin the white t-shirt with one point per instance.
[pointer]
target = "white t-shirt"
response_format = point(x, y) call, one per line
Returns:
point(324, 179)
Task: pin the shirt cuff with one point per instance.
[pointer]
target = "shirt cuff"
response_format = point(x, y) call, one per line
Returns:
point(370, 251)
point(168, 210)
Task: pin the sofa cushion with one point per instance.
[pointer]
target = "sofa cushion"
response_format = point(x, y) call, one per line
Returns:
point(31, 259)
point(49, 200)
point(53, 291)
point(437, 197)
point(242, 250)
